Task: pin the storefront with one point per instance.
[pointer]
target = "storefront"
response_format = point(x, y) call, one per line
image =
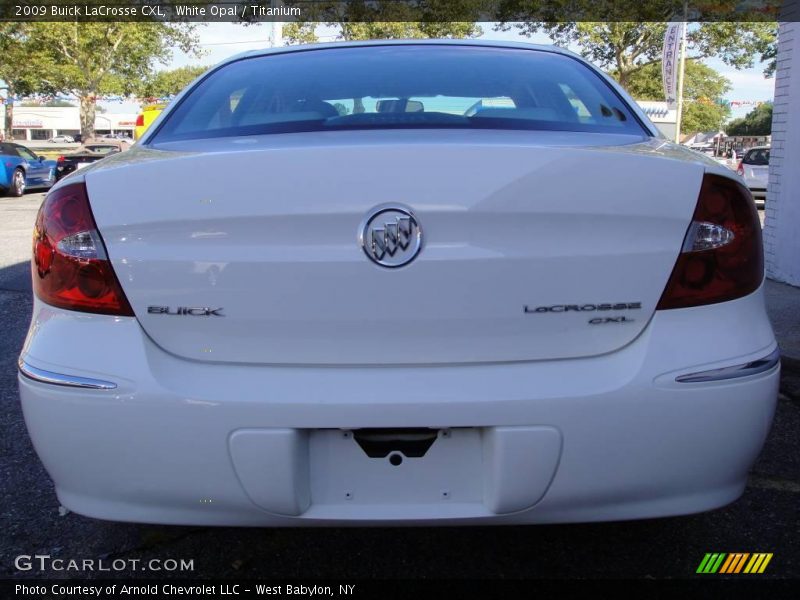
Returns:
point(40, 123)
point(662, 116)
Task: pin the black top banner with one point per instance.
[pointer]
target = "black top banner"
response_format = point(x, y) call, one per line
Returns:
point(343, 11)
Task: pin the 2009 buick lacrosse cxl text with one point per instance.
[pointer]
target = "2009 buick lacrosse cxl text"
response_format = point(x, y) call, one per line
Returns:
point(420, 282)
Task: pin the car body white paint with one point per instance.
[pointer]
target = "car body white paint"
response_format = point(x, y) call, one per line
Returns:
point(247, 419)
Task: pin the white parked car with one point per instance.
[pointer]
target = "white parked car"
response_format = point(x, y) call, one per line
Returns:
point(318, 292)
point(754, 167)
point(61, 139)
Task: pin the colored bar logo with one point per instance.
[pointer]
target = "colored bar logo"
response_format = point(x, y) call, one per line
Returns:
point(734, 563)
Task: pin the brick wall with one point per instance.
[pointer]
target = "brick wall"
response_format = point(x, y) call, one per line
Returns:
point(782, 225)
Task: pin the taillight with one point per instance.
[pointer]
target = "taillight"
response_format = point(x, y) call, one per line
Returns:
point(60, 159)
point(722, 257)
point(70, 266)
point(740, 169)
point(140, 121)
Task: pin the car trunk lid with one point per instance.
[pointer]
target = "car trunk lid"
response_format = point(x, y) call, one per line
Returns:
point(534, 247)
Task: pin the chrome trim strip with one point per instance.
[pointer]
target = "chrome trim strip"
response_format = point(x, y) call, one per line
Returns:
point(754, 367)
point(66, 380)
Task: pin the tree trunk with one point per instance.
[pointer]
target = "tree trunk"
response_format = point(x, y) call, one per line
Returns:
point(88, 106)
point(9, 124)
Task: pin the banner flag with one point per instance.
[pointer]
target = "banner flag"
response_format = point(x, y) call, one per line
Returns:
point(669, 62)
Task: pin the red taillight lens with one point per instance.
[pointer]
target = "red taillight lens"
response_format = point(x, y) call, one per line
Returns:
point(140, 121)
point(740, 168)
point(70, 266)
point(60, 159)
point(722, 257)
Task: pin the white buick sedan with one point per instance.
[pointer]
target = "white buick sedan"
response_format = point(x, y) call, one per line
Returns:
point(420, 282)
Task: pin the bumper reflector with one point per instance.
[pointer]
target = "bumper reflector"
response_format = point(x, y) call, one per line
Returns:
point(59, 379)
point(753, 367)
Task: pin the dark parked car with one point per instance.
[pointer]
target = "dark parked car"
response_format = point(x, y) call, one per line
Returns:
point(87, 154)
point(22, 168)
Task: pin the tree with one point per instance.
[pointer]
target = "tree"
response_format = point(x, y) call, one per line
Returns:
point(20, 82)
point(299, 32)
point(704, 115)
point(304, 32)
point(703, 89)
point(625, 47)
point(164, 84)
point(757, 122)
point(398, 20)
point(87, 60)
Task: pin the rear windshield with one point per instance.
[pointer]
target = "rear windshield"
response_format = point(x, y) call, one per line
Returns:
point(759, 156)
point(389, 87)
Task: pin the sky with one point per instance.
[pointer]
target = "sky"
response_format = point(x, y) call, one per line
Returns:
point(222, 40)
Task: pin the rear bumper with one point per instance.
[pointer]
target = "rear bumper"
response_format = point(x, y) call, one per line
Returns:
point(602, 438)
point(62, 172)
point(759, 194)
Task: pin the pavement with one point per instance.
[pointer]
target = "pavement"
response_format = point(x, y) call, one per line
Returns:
point(783, 306)
point(765, 519)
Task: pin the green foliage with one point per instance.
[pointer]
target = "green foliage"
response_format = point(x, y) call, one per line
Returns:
point(703, 116)
point(625, 47)
point(388, 19)
point(168, 83)
point(757, 122)
point(388, 30)
point(88, 60)
point(632, 53)
point(300, 33)
point(703, 89)
point(103, 58)
point(21, 81)
point(737, 44)
point(304, 33)
point(700, 81)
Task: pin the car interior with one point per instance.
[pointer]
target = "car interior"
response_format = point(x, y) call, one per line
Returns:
point(243, 99)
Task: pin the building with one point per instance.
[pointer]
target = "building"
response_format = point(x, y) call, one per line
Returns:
point(662, 116)
point(707, 138)
point(782, 224)
point(32, 123)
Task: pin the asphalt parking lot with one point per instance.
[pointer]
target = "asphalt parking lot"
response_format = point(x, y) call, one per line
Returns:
point(765, 519)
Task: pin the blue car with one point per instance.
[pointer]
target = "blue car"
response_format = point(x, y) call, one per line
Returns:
point(23, 169)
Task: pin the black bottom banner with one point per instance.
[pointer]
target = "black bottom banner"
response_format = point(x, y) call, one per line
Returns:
point(246, 589)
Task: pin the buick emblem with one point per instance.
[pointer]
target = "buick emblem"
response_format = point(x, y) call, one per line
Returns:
point(390, 235)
